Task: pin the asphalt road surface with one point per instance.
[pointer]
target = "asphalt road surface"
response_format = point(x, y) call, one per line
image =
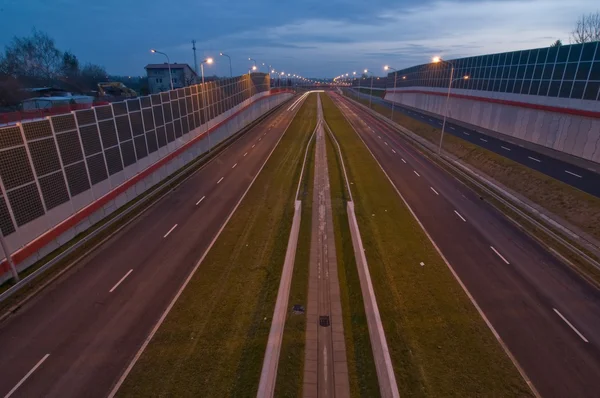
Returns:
point(576, 176)
point(77, 337)
point(548, 316)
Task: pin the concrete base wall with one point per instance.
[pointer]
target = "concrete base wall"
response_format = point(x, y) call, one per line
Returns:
point(254, 109)
point(573, 134)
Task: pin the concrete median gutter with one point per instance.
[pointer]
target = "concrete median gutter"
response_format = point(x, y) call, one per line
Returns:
point(383, 362)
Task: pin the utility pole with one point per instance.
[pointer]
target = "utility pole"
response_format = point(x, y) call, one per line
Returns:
point(195, 61)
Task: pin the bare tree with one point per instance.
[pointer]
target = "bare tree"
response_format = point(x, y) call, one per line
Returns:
point(34, 57)
point(587, 28)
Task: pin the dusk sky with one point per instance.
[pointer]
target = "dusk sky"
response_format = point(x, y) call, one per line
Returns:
point(316, 38)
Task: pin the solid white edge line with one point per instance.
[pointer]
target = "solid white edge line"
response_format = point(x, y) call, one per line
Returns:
point(201, 199)
point(185, 283)
point(414, 171)
point(171, 230)
point(570, 172)
point(233, 167)
point(120, 281)
point(461, 217)
point(220, 179)
point(505, 148)
point(460, 282)
point(537, 160)
point(434, 191)
point(571, 325)
point(37, 365)
point(499, 255)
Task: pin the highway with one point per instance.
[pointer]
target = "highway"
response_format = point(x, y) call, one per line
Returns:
point(547, 316)
point(576, 176)
point(77, 337)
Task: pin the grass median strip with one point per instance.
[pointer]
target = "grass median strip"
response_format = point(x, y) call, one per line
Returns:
point(213, 340)
point(361, 365)
point(438, 342)
point(290, 371)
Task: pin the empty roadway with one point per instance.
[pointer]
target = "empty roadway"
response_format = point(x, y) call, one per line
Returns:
point(548, 316)
point(77, 337)
point(576, 176)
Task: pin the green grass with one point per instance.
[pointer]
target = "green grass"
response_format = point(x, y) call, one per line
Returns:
point(290, 371)
point(577, 207)
point(362, 373)
point(213, 340)
point(439, 344)
point(376, 93)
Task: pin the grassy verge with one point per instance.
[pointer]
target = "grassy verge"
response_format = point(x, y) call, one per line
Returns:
point(149, 198)
point(361, 365)
point(213, 340)
point(376, 93)
point(577, 207)
point(290, 371)
point(438, 342)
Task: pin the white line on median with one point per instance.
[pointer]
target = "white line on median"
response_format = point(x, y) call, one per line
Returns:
point(171, 230)
point(201, 199)
point(461, 217)
point(260, 138)
point(465, 133)
point(434, 191)
point(379, 136)
point(483, 140)
point(570, 325)
point(120, 281)
point(537, 160)
point(253, 145)
point(430, 120)
point(385, 143)
point(233, 167)
point(414, 171)
point(37, 365)
point(245, 153)
point(393, 151)
point(404, 160)
point(499, 255)
point(220, 179)
point(505, 148)
point(573, 174)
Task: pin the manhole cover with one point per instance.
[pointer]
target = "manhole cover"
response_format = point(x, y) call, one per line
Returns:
point(298, 309)
point(324, 321)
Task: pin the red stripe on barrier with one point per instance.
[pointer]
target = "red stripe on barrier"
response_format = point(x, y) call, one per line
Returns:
point(41, 241)
point(558, 109)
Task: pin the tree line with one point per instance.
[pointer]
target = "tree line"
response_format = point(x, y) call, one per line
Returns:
point(34, 61)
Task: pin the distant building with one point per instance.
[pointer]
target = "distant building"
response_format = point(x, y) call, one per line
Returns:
point(158, 76)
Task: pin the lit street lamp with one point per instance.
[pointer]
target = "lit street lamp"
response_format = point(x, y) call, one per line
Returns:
point(206, 61)
point(253, 60)
point(168, 63)
point(225, 55)
point(452, 80)
point(371, 95)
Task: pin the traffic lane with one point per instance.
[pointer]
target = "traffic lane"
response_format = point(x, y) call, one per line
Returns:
point(548, 350)
point(80, 321)
point(584, 179)
point(558, 283)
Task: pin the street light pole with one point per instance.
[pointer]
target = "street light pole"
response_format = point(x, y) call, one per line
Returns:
point(225, 55)
point(206, 61)
point(387, 67)
point(168, 63)
point(370, 95)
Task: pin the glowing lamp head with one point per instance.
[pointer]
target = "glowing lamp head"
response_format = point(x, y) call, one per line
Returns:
point(436, 60)
point(209, 61)
point(386, 67)
point(254, 67)
point(153, 51)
